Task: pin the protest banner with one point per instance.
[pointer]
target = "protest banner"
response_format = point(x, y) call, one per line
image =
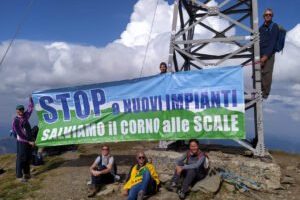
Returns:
point(204, 104)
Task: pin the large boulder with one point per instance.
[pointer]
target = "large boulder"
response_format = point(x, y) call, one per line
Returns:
point(210, 184)
point(109, 189)
point(265, 174)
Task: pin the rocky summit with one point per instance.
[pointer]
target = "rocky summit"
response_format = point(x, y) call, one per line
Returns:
point(231, 175)
point(255, 174)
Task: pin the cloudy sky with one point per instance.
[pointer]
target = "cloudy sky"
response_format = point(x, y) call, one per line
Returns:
point(64, 43)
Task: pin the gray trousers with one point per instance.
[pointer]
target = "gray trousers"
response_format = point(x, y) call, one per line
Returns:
point(267, 73)
point(190, 177)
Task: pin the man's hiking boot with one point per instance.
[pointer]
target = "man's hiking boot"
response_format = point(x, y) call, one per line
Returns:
point(141, 195)
point(181, 195)
point(93, 191)
point(27, 176)
point(171, 186)
point(22, 180)
point(89, 183)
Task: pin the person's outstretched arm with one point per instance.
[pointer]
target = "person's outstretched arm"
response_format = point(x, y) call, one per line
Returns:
point(29, 110)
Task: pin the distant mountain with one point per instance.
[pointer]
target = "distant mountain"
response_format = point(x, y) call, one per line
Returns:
point(7, 145)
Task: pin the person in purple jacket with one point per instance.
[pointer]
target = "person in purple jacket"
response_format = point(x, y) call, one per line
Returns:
point(25, 143)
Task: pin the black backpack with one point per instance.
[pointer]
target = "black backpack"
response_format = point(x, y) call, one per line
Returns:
point(37, 159)
point(280, 38)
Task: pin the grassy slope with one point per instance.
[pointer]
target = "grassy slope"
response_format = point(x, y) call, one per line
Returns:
point(12, 189)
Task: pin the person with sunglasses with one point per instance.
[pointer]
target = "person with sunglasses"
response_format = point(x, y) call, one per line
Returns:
point(268, 37)
point(190, 167)
point(142, 179)
point(102, 170)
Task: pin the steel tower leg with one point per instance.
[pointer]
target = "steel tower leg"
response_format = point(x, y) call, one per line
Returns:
point(187, 51)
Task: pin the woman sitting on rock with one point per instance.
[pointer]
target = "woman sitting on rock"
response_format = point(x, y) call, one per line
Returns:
point(142, 179)
point(192, 167)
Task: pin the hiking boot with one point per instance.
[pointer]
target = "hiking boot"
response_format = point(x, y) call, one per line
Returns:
point(117, 178)
point(89, 183)
point(27, 176)
point(181, 195)
point(141, 195)
point(22, 180)
point(93, 192)
point(171, 186)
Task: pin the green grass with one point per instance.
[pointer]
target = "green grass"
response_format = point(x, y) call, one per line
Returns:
point(12, 189)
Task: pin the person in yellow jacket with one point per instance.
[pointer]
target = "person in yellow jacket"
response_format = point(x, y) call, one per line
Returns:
point(142, 180)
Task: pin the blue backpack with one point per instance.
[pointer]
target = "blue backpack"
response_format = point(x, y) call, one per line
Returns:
point(280, 38)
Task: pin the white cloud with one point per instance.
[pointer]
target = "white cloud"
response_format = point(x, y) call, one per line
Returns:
point(37, 65)
point(138, 29)
point(296, 89)
point(269, 110)
point(287, 65)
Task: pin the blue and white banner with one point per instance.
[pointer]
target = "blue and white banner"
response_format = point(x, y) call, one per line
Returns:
point(206, 104)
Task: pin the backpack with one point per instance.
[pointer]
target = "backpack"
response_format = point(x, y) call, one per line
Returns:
point(37, 159)
point(280, 38)
point(34, 132)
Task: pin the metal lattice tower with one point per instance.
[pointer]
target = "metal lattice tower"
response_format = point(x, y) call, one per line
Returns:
point(190, 50)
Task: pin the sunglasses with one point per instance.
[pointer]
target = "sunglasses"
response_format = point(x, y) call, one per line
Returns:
point(105, 149)
point(141, 157)
point(268, 15)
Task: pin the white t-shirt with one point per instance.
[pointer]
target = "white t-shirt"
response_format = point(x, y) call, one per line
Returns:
point(106, 160)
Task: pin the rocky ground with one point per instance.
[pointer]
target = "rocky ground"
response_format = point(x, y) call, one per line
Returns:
point(65, 176)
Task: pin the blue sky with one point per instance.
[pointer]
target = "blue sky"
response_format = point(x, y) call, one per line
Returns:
point(106, 41)
point(96, 22)
point(90, 22)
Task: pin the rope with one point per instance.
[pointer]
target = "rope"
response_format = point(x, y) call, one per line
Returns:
point(28, 9)
point(238, 181)
point(149, 37)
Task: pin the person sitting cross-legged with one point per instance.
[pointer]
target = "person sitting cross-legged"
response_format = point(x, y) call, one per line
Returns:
point(102, 170)
point(142, 180)
point(192, 167)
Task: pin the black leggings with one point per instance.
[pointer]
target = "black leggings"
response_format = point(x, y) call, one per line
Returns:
point(103, 178)
point(23, 159)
